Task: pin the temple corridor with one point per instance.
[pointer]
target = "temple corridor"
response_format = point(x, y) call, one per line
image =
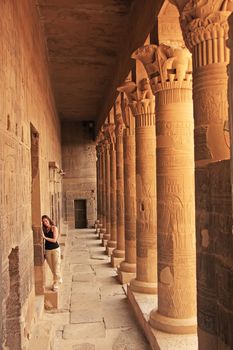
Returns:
point(116, 164)
point(93, 312)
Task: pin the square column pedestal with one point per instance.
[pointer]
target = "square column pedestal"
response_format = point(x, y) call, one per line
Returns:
point(115, 262)
point(125, 277)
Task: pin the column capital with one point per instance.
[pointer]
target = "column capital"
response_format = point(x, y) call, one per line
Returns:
point(109, 132)
point(202, 23)
point(100, 141)
point(118, 118)
point(126, 112)
point(205, 25)
point(167, 67)
point(140, 97)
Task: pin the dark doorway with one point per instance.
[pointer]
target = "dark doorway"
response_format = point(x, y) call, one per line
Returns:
point(80, 213)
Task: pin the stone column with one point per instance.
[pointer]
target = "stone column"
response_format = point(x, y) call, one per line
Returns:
point(103, 192)
point(169, 70)
point(119, 253)
point(107, 234)
point(205, 30)
point(98, 180)
point(127, 269)
point(112, 243)
point(142, 104)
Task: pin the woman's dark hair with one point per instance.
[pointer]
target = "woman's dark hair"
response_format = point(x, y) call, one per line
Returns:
point(48, 218)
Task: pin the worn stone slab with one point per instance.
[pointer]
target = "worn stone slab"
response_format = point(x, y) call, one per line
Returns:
point(83, 259)
point(84, 331)
point(85, 288)
point(59, 321)
point(84, 346)
point(83, 301)
point(89, 315)
point(130, 339)
point(84, 277)
point(116, 312)
point(111, 290)
point(82, 268)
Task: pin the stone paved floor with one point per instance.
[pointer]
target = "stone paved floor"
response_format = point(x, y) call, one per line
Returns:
point(94, 313)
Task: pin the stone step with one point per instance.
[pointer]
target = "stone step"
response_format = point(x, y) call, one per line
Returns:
point(51, 299)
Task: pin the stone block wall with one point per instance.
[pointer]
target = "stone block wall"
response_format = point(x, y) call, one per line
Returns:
point(26, 104)
point(79, 165)
point(214, 256)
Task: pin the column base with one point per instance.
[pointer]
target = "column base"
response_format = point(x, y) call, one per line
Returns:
point(109, 250)
point(119, 254)
point(107, 236)
point(128, 267)
point(143, 287)
point(104, 242)
point(112, 244)
point(141, 304)
point(101, 235)
point(173, 325)
point(125, 277)
point(115, 261)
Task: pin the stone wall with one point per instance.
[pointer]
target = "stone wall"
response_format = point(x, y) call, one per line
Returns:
point(79, 165)
point(214, 256)
point(26, 106)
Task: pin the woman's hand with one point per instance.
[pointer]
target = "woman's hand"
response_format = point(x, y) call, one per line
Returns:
point(42, 235)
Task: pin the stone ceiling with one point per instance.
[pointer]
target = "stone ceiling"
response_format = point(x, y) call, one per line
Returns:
point(89, 45)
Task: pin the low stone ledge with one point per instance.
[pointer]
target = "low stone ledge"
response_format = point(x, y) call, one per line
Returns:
point(43, 336)
point(142, 305)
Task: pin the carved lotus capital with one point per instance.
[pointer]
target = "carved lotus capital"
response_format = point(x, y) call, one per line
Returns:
point(203, 19)
point(110, 136)
point(126, 110)
point(140, 97)
point(165, 64)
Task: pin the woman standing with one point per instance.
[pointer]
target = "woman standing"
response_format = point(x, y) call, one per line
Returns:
point(52, 249)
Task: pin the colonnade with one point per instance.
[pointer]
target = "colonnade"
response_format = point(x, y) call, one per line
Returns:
point(158, 122)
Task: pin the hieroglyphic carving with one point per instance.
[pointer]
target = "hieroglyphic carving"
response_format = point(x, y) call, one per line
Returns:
point(113, 189)
point(169, 70)
point(129, 184)
point(142, 104)
point(107, 141)
point(119, 251)
point(102, 177)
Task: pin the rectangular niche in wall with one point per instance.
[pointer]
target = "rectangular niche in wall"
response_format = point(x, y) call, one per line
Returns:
point(80, 213)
